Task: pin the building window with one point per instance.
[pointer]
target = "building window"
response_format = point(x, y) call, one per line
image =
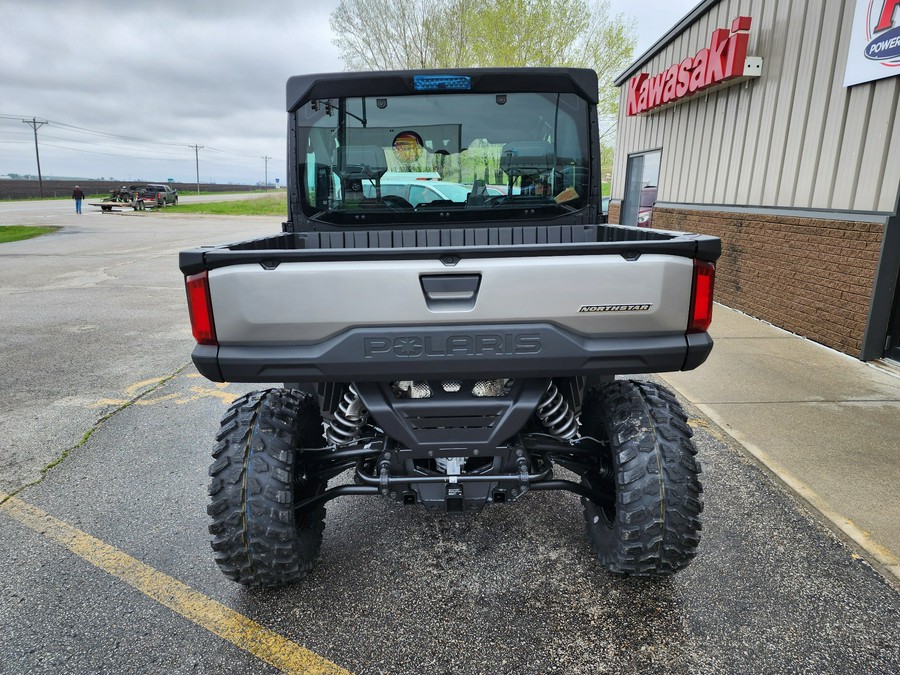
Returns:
point(641, 182)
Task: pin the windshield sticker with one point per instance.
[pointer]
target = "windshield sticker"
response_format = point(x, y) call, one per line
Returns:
point(408, 146)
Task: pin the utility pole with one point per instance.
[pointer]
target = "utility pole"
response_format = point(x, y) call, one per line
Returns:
point(197, 162)
point(34, 124)
point(266, 184)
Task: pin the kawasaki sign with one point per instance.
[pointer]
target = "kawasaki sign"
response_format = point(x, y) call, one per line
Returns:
point(723, 63)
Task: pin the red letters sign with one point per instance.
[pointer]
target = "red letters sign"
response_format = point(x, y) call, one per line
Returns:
point(723, 60)
point(887, 14)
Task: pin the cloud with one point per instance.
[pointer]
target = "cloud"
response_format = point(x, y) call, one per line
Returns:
point(186, 73)
point(204, 72)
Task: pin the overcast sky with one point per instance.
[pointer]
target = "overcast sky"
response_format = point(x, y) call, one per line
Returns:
point(107, 74)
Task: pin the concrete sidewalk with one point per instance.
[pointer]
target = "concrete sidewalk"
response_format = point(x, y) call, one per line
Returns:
point(824, 423)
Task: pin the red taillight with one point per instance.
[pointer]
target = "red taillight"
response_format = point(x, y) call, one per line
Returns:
point(702, 297)
point(200, 308)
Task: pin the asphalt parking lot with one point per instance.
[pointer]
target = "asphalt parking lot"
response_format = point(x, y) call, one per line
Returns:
point(107, 556)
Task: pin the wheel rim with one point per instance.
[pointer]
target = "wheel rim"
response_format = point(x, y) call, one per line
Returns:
point(603, 484)
point(607, 501)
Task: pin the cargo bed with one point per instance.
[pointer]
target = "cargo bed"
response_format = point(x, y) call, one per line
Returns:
point(533, 300)
point(542, 240)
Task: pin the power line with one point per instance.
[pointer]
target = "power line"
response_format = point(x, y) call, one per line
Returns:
point(94, 132)
point(113, 154)
point(70, 139)
point(73, 129)
point(106, 134)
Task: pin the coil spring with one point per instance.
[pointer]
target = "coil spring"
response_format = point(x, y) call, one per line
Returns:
point(349, 418)
point(556, 415)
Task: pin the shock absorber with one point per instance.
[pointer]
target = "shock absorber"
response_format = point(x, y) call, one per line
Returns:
point(555, 414)
point(349, 418)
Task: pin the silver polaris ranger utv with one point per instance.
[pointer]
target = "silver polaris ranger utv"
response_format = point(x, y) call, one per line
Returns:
point(444, 317)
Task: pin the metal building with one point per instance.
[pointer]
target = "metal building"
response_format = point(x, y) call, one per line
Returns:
point(775, 126)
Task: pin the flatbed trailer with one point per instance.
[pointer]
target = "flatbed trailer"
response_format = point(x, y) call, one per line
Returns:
point(139, 204)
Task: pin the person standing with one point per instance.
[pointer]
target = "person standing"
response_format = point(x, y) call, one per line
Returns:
point(77, 195)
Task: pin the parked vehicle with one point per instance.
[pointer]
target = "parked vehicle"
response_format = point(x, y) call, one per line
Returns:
point(170, 194)
point(137, 197)
point(418, 192)
point(450, 354)
point(165, 194)
point(604, 209)
point(645, 207)
point(161, 193)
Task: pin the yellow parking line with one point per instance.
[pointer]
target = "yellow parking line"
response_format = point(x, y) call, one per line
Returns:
point(215, 617)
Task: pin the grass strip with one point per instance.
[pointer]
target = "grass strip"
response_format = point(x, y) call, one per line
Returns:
point(19, 232)
point(274, 205)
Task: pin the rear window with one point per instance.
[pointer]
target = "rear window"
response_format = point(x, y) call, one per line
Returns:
point(532, 147)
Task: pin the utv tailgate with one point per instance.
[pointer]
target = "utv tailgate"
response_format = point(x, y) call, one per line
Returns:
point(592, 296)
point(370, 320)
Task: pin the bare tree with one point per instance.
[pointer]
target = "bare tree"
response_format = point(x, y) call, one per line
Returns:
point(390, 34)
point(385, 34)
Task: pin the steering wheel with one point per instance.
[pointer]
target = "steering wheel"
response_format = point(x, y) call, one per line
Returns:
point(395, 202)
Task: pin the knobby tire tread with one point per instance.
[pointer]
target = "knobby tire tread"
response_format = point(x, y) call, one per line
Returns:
point(655, 528)
point(257, 475)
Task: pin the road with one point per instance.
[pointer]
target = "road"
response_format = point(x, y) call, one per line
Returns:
point(36, 211)
point(87, 311)
point(109, 570)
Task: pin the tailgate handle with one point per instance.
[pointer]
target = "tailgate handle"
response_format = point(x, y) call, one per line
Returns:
point(450, 292)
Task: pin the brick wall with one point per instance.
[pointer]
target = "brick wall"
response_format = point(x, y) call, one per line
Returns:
point(812, 277)
point(615, 211)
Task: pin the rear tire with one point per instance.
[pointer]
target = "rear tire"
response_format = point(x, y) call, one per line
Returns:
point(258, 475)
point(649, 522)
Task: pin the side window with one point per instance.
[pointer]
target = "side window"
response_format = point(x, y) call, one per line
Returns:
point(421, 194)
point(311, 178)
point(394, 190)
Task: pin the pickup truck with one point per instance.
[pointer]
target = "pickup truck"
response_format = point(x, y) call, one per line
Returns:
point(457, 352)
point(153, 194)
point(165, 194)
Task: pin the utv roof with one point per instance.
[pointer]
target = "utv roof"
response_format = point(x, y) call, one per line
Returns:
point(303, 88)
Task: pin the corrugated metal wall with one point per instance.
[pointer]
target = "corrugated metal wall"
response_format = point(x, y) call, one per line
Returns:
point(795, 137)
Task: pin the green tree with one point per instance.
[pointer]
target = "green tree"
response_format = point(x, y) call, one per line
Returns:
point(400, 34)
